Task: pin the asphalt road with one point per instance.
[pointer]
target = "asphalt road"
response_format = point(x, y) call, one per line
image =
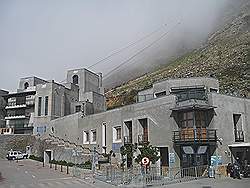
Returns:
point(31, 174)
point(223, 182)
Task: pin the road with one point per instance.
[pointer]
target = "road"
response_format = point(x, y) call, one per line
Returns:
point(223, 182)
point(31, 174)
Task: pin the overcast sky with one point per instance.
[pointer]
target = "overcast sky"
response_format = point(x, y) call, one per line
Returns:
point(44, 38)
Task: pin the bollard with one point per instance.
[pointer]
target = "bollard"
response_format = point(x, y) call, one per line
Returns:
point(55, 167)
point(61, 168)
point(50, 165)
point(67, 169)
point(43, 163)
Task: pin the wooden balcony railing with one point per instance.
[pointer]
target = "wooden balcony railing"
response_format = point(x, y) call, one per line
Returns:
point(195, 135)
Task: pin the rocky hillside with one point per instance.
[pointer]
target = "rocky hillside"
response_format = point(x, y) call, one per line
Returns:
point(226, 56)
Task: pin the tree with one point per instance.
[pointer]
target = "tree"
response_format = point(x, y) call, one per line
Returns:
point(148, 151)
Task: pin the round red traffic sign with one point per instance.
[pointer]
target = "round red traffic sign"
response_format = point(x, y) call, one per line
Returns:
point(145, 161)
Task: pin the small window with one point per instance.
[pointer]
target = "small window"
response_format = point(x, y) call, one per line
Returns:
point(75, 79)
point(39, 106)
point(46, 105)
point(160, 94)
point(93, 135)
point(213, 90)
point(86, 137)
point(26, 85)
point(78, 108)
point(117, 134)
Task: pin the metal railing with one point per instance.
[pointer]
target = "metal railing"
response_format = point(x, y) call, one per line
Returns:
point(151, 176)
point(127, 139)
point(142, 139)
point(195, 135)
point(239, 136)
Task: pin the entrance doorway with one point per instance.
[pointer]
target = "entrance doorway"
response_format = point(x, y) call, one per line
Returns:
point(194, 156)
point(47, 156)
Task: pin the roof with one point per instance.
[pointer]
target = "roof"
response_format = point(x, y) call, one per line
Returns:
point(240, 145)
point(193, 106)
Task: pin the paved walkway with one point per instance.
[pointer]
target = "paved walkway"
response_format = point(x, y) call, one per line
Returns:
point(31, 174)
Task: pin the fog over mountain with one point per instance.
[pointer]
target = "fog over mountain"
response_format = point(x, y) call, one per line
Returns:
point(44, 38)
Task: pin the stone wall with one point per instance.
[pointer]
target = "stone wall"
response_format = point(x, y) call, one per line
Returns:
point(15, 142)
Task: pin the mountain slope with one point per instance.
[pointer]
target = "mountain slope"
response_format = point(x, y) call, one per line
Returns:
point(226, 56)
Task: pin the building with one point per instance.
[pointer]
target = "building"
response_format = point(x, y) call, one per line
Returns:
point(187, 119)
point(2, 108)
point(36, 101)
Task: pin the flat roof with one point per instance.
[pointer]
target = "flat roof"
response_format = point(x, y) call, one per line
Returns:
point(239, 145)
point(193, 106)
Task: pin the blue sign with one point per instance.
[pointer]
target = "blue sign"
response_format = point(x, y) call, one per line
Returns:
point(216, 160)
point(171, 158)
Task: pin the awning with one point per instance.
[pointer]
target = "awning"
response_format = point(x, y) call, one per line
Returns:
point(239, 145)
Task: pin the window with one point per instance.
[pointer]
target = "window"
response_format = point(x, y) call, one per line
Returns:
point(46, 106)
point(75, 79)
point(117, 134)
point(86, 137)
point(39, 106)
point(200, 119)
point(187, 119)
point(78, 108)
point(160, 94)
point(26, 85)
point(93, 135)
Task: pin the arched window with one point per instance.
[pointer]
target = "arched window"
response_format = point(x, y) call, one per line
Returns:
point(75, 79)
point(26, 85)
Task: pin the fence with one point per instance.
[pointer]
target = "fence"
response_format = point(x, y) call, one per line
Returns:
point(150, 176)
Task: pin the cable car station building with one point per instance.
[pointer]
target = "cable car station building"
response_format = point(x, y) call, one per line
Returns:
point(187, 119)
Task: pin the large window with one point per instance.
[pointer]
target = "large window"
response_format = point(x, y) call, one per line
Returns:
point(46, 105)
point(39, 106)
point(187, 119)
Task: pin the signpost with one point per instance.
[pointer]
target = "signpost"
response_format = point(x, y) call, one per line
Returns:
point(145, 161)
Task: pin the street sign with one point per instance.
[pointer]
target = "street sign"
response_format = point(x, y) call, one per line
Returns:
point(171, 158)
point(145, 161)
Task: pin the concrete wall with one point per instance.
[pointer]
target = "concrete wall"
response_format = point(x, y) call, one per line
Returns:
point(161, 124)
point(32, 81)
point(226, 106)
point(190, 82)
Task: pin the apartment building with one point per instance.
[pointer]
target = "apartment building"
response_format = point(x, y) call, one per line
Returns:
point(36, 101)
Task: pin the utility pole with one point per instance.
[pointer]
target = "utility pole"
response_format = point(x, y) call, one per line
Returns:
point(93, 163)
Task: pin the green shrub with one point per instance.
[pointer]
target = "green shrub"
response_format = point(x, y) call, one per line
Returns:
point(36, 158)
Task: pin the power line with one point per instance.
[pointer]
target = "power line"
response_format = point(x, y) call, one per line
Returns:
point(140, 51)
point(126, 47)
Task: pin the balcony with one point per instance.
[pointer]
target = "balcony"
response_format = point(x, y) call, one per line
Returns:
point(15, 117)
point(142, 139)
point(14, 106)
point(239, 136)
point(127, 139)
point(199, 135)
